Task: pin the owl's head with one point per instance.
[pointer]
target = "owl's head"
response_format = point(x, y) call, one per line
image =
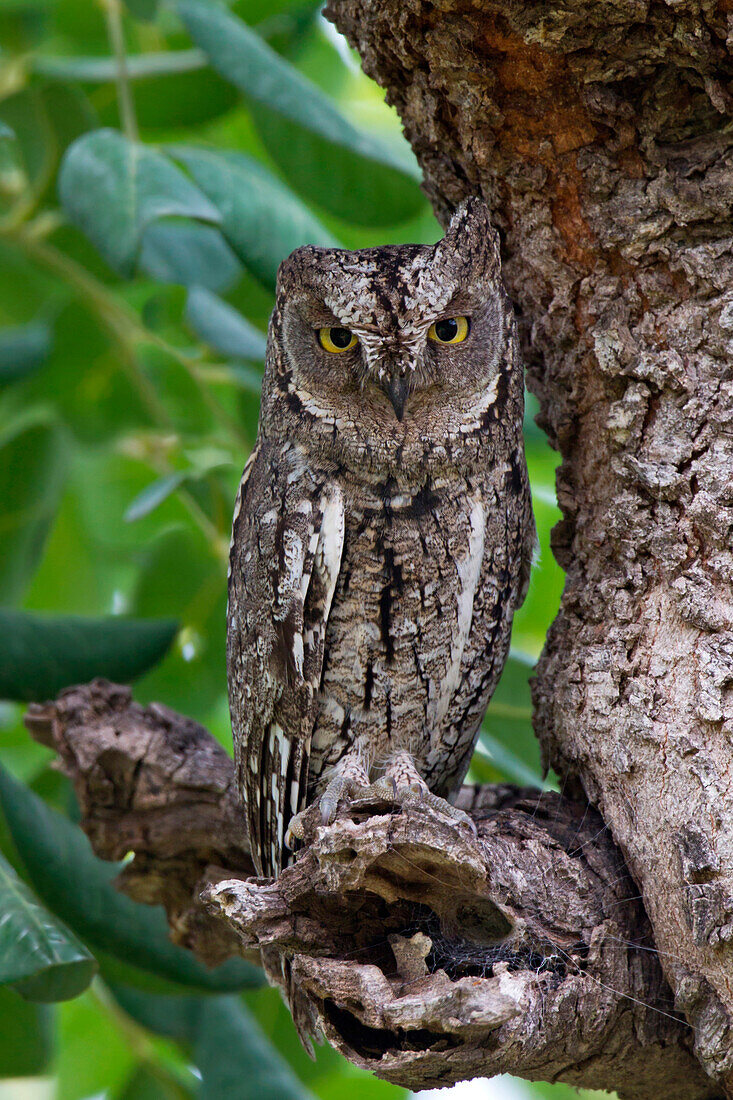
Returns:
point(394, 353)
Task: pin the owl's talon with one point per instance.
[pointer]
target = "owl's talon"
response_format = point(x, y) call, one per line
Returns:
point(329, 809)
point(350, 784)
point(416, 791)
point(459, 817)
point(295, 831)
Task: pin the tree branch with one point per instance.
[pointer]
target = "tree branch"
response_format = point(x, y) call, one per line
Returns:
point(421, 951)
point(152, 782)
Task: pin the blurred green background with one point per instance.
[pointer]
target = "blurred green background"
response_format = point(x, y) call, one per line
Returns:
point(157, 161)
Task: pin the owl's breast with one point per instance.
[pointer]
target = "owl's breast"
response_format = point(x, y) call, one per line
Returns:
point(400, 620)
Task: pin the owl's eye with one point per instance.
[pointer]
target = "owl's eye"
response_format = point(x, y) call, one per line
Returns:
point(337, 339)
point(451, 330)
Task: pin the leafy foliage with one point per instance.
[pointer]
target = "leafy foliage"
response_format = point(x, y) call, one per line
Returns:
point(41, 654)
point(40, 958)
point(157, 161)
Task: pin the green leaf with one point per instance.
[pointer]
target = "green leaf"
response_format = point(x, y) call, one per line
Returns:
point(23, 349)
point(189, 254)
point(45, 121)
point(113, 189)
point(154, 494)
point(547, 579)
point(103, 70)
point(114, 971)
point(223, 327)
point(25, 1037)
point(78, 887)
point(336, 179)
point(226, 1025)
point(262, 220)
point(40, 655)
point(94, 1054)
point(32, 472)
point(507, 736)
point(176, 389)
point(173, 1017)
point(213, 1025)
point(38, 955)
point(346, 170)
point(148, 1083)
point(180, 573)
point(247, 378)
point(178, 88)
point(24, 114)
point(250, 1057)
point(184, 101)
point(158, 491)
point(502, 759)
point(241, 56)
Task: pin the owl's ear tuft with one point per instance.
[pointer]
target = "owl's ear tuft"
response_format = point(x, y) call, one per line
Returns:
point(472, 236)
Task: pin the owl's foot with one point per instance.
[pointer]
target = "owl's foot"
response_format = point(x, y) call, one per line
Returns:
point(400, 785)
point(403, 785)
point(351, 781)
point(385, 790)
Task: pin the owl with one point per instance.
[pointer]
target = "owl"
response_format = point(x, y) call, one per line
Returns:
point(383, 530)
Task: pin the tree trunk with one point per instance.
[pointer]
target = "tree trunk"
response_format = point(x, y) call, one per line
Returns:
point(600, 135)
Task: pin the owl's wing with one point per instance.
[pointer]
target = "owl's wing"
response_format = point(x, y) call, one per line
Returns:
point(287, 542)
point(508, 552)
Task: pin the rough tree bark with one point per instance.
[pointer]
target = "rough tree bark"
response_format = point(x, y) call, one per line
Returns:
point(600, 133)
point(422, 952)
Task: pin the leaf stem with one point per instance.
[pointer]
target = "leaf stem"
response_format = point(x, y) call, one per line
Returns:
point(128, 119)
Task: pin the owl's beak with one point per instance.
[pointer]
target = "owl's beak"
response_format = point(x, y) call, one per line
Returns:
point(397, 390)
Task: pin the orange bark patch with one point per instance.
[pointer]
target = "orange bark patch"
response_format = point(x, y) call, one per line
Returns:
point(544, 119)
point(631, 162)
point(567, 215)
point(537, 95)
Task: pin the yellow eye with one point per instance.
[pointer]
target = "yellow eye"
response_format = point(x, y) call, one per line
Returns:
point(337, 339)
point(451, 330)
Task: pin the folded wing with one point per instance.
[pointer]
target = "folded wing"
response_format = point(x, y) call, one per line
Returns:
point(287, 542)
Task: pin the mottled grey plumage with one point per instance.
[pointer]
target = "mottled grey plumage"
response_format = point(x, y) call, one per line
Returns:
point(376, 562)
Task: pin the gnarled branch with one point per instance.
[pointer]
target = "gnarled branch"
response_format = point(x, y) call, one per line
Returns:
point(423, 952)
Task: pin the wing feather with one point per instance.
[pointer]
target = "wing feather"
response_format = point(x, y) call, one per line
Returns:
point(287, 543)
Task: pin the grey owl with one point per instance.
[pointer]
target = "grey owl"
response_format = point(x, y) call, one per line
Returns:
point(383, 531)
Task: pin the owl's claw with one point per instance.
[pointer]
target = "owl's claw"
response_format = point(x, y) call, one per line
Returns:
point(401, 785)
point(354, 784)
point(416, 791)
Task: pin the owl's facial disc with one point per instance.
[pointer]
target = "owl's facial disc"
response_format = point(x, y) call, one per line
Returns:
point(404, 375)
point(399, 358)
